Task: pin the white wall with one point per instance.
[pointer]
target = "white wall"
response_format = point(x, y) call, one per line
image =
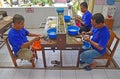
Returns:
point(33, 20)
point(117, 15)
point(99, 8)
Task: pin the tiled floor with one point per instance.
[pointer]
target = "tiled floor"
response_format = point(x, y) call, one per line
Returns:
point(58, 74)
point(68, 59)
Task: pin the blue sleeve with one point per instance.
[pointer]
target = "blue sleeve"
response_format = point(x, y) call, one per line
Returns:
point(86, 19)
point(26, 31)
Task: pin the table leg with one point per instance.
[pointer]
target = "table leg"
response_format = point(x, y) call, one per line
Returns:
point(78, 60)
point(61, 58)
point(44, 59)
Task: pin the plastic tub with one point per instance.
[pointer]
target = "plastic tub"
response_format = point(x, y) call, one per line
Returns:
point(52, 33)
point(60, 10)
point(73, 30)
point(67, 18)
point(86, 45)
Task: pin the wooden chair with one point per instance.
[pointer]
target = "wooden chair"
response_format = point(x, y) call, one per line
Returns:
point(111, 47)
point(15, 58)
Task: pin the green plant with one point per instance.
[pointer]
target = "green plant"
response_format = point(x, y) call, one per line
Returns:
point(50, 2)
point(75, 7)
point(39, 1)
point(36, 1)
point(44, 1)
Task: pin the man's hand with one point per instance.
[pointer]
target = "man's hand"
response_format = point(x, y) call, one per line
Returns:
point(86, 37)
point(83, 33)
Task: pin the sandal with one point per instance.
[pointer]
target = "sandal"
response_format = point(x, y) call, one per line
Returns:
point(88, 68)
point(55, 62)
point(81, 62)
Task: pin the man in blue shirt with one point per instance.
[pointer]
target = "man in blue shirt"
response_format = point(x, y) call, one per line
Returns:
point(85, 21)
point(100, 36)
point(17, 37)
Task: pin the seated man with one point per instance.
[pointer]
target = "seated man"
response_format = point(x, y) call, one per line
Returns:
point(100, 36)
point(85, 21)
point(17, 37)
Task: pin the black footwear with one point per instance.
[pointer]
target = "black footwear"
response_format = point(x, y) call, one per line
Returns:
point(81, 62)
point(55, 62)
point(88, 68)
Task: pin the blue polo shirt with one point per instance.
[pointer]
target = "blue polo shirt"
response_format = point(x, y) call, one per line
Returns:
point(101, 36)
point(16, 38)
point(86, 18)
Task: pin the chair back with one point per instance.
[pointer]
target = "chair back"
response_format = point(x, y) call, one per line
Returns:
point(112, 43)
point(10, 51)
point(111, 47)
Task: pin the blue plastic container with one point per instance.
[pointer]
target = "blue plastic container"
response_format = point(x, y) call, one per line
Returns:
point(52, 33)
point(86, 45)
point(60, 10)
point(110, 2)
point(73, 30)
point(67, 18)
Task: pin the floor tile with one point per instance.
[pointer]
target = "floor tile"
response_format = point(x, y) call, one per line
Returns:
point(68, 74)
point(52, 74)
point(113, 74)
point(7, 73)
point(22, 74)
point(37, 74)
point(82, 74)
point(99, 74)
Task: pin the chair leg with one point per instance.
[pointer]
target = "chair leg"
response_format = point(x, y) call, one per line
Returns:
point(33, 60)
point(14, 62)
point(108, 62)
point(33, 64)
point(36, 54)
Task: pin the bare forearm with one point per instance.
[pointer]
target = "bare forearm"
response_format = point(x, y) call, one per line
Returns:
point(27, 44)
point(82, 23)
point(86, 33)
point(89, 33)
point(33, 35)
point(95, 45)
point(86, 38)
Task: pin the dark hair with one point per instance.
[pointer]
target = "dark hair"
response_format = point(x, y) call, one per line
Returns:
point(18, 18)
point(98, 17)
point(84, 4)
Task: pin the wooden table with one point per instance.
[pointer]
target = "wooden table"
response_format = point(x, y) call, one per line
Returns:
point(4, 26)
point(71, 42)
point(62, 42)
